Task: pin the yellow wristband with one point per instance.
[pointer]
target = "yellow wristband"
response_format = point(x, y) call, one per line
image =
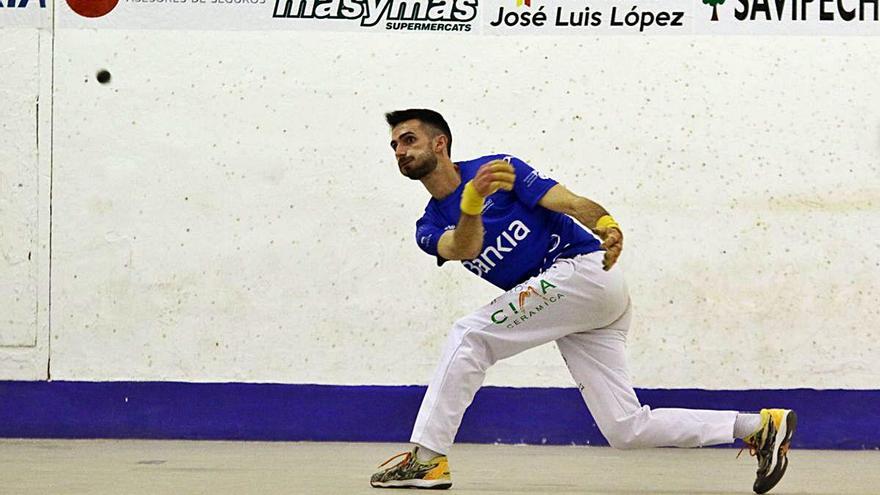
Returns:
point(471, 201)
point(607, 222)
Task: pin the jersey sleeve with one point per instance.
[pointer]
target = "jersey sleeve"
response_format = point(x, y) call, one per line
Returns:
point(530, 185)
point(428, 232)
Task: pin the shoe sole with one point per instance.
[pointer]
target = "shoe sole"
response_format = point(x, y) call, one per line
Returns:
point(779, 461)
point(423, 484)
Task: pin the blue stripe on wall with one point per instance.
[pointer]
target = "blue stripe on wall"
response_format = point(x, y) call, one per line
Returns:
point(828, 419)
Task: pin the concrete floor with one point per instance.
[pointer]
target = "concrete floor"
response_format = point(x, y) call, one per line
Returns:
point(134, 467)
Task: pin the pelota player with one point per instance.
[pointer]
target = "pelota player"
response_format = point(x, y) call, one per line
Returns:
point(514, 227)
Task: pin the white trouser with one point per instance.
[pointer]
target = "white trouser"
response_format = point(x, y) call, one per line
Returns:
point(586, 310)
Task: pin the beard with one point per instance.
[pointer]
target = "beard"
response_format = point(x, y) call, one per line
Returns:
point(422, 166)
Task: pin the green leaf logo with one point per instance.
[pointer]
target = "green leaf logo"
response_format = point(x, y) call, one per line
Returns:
point(714, 4)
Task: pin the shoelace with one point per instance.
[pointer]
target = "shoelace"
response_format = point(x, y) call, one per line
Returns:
point(753, 449)
point(406, 458)
point(783, 449)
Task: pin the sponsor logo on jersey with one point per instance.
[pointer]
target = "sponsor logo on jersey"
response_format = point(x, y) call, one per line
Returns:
point(425, 240)
point(532, 177)
point(494, 252)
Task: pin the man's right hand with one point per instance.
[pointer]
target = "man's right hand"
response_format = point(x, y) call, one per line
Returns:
point(492, 176)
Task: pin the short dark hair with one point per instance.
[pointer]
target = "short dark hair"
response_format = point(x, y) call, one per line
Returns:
point(430, 117)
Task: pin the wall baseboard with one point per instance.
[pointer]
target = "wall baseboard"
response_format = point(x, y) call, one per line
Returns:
point(828, 419)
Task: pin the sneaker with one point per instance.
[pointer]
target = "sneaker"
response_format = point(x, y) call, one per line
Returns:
point(770, 445)
point(412, 473)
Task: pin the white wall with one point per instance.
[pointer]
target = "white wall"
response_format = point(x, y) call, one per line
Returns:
point(25, 109)
point(227, 208)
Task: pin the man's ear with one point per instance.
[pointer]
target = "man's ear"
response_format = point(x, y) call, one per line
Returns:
point(440, 143)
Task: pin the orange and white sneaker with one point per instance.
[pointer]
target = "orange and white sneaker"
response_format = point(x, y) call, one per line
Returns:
point(770, 444)
point(412, 473)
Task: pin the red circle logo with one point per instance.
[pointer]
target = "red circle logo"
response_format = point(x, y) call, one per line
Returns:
point(92, 8)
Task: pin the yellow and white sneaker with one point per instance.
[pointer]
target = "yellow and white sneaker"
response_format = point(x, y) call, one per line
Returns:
point(770, 444)
point(412, 473)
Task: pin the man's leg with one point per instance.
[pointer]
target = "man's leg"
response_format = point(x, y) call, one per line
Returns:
point(571, 296)
point(597, 361)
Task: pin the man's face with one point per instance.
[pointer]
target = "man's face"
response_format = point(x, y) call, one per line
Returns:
point(414, 149)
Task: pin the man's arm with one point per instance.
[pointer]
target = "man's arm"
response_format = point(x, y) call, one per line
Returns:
point(465, 241)
point(588, 213)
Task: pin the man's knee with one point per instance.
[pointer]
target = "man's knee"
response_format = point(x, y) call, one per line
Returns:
point(622, 441)
point(621, 434)
point(472, 343)
point(460, 332)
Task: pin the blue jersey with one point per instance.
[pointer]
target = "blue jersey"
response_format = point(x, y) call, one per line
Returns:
point(521, 238)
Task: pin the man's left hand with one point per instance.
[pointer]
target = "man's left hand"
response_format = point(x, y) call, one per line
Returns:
point(612, 243)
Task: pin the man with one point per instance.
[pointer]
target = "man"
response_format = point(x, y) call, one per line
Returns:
point(515, 228)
